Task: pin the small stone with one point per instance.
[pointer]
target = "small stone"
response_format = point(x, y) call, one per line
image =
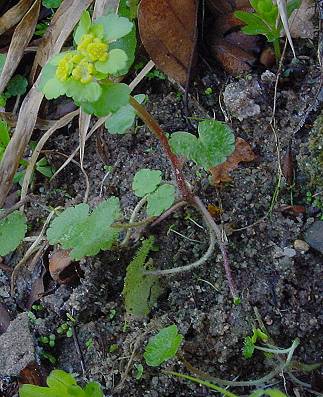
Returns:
point(301, 246)
point(314, 236)
point(289, 252)
point(16, 347)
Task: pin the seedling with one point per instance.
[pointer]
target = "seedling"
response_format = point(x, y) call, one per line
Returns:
point(12, 231)
point(48, 340)
point(139, 370)
point(66, 328)
point(163, 346)
point(265, 20)
point(62, 384)
point(89, 344)
point(250, 341)
point(148, 183)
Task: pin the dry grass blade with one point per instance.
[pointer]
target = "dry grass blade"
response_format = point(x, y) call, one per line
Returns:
point(103, 5)
point(11, 120)
point(65, 19)
point(14, 15)
point(20, 39)
point(32, 162)
point(62, 23)
point(282, 9)
point(84, 124)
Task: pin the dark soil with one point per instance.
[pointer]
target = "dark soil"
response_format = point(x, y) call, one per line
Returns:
point(281, 282)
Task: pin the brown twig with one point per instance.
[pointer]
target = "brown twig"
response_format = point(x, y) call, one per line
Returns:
point(5, 213)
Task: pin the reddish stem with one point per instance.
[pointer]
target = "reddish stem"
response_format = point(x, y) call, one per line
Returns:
point(156, 129)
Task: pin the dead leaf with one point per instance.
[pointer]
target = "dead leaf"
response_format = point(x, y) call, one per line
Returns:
point(242, 152)
point(233, 59)
point(61, 267)
point(14, 15)
point(288, 165)
point(4, 319)
point(37, 288)
point(214, 210)
point(168, 32)
point(292, 209)
point(220, 7)
point(20, 39)
point(31, 375)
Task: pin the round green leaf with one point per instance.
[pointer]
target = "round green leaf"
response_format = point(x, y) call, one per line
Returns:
point(146, 181)
point(128, 44)
point(17, 85)
point(53, 88)
point(160, 200)
point(113, 97)
point(115, 26)
point(80, 92)
point(123, 119)
point(117, 60)
point(163, 346)
point(12, 231)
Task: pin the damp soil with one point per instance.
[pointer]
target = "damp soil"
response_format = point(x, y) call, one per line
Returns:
point(274, 279)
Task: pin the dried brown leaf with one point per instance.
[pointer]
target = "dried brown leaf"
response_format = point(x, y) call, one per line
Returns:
point(66, 17)
point(234, 60)
point(31, 375)
point(288, 165)
point(242, 152)
point(168, 32)
point(14, 15)
point(20, 39)
point(61, 267)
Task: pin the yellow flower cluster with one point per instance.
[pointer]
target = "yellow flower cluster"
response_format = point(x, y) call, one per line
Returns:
point(79, 64)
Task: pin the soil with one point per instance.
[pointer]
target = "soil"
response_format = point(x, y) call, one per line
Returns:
point(273, 278)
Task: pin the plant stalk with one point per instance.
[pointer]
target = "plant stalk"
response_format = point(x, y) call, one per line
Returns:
point(156, 129)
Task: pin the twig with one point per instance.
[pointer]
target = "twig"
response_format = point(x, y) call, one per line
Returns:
point(78, 348)
point(168, 212)
point(22, 202)
point(134, 214)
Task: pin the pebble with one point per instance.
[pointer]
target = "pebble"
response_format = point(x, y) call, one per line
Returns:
point(301, 246)
point(314, 236)
point(289, 252)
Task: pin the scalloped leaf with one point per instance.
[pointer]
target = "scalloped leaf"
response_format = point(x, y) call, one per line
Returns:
point(80, 92)
point(163, 346)
point(162, 199)
point(116, 61)
point(113, 97)
point(214, 144)
point(12, 231)
point(115, 26)
point(86, 234)
point(146, 181)
point(123, 119)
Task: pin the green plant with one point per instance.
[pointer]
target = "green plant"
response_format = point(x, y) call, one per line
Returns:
point(163, 346)
point(160, 197)
point(48, 340)
point(316, 201)
point(250, 341)
point(89, 344)
point(214, 144)
point(86, 234)
point(122, 120)
point(139, 370)
point(12, 231)
point(265, 20)
point(83, 73)
point(140, 291)
point(61, 384)
point(51, 3)
point(67, 327)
